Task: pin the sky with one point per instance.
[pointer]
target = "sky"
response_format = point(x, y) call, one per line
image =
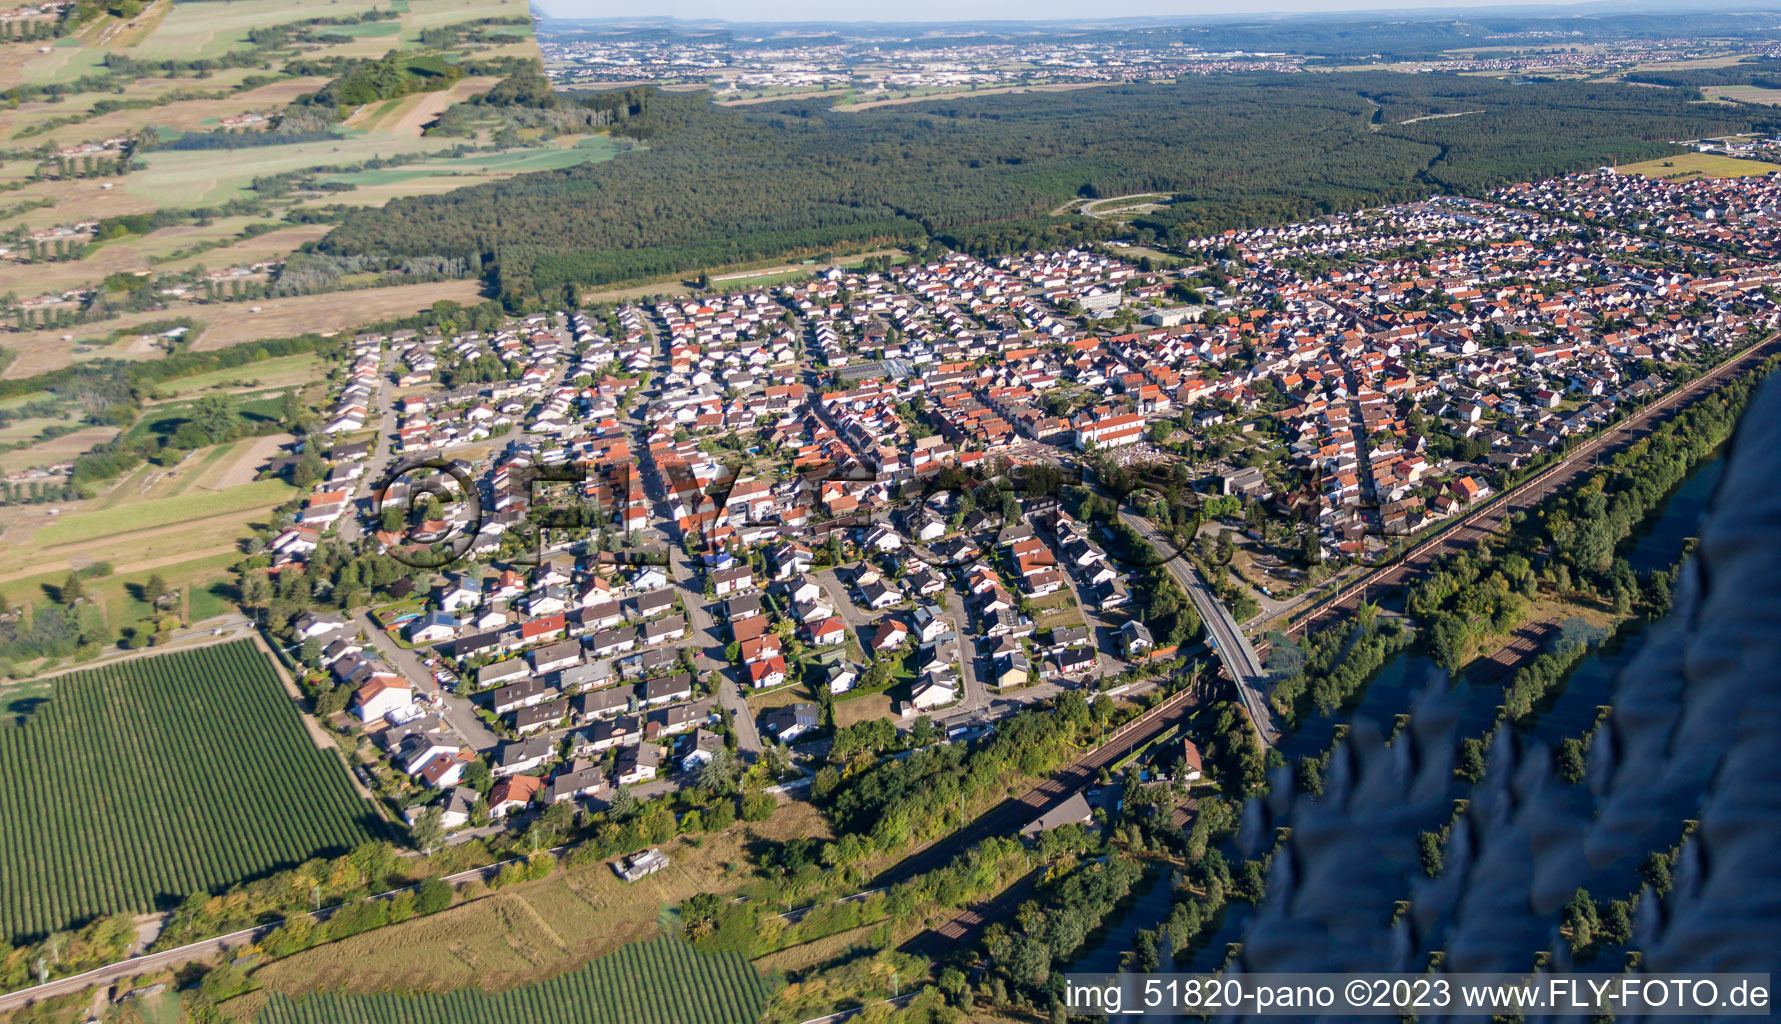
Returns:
point(986, 10)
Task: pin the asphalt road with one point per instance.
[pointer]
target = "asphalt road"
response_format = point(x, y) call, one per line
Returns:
point(1239, 658)
point(707, 643)
point(459, 712)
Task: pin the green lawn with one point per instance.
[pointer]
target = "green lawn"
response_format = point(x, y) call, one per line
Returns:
point(256, 412)
point(191, 177)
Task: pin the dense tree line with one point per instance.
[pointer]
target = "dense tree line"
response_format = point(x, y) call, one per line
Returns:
point(1761, 72)
point(717, 185)
point(526, 99)
point(481, 30)
point(1339, 661)
point(901, 801)
point(244, 139)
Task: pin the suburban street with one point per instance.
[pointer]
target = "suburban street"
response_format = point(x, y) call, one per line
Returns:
point(459, 713)
point(708, 643)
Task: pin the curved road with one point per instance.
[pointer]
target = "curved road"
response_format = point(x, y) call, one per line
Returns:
point(1226, 635)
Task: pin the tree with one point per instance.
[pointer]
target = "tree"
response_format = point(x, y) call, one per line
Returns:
point(1581, 919)
point(309, 468)
point(698, 913)
point(1227, 548)
point(73, 591)
point(433, 896)
point(758, 806)
point(478, 776)
point(155, 590)
point(623, 803)
point(215, 416)
point(428, 831)
point(719, 774)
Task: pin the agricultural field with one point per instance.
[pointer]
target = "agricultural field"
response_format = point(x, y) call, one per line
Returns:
point(222, 324)
point(664, 981)
point(529, 933)
point(54, 450)
point(1688, 166)
point(235, 322)
point(182, 178)
point(92, 525)
point(1743, 94)
point(172, 179)
point(138, 783)
point(268, 374)
point(191, 30)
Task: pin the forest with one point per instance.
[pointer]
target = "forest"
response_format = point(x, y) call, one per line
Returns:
point(717, 186)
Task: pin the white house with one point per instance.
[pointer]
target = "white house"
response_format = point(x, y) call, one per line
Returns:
point(382, 694)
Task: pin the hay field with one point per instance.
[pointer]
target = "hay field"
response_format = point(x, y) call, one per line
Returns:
point(405, 116)
point(60, 449)
point(82, 525)
point(1744, 94)
point(269, 375)
point(63, 63)
point(84, 195)
point(134, 253)
point(233, 323)
point(281, 242)
point(374, 188)
point(193, 30)
point(437, 13)
point(46, 349)
point(225, 324)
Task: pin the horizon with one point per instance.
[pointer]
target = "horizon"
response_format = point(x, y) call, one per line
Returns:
point(919, 13)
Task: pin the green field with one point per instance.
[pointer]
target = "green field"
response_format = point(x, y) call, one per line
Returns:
point(104, 522)
point(185, 178)
point(139, 783)
point(277, 372)
point(164, 418)
point(196, 30)
point(664, 981)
